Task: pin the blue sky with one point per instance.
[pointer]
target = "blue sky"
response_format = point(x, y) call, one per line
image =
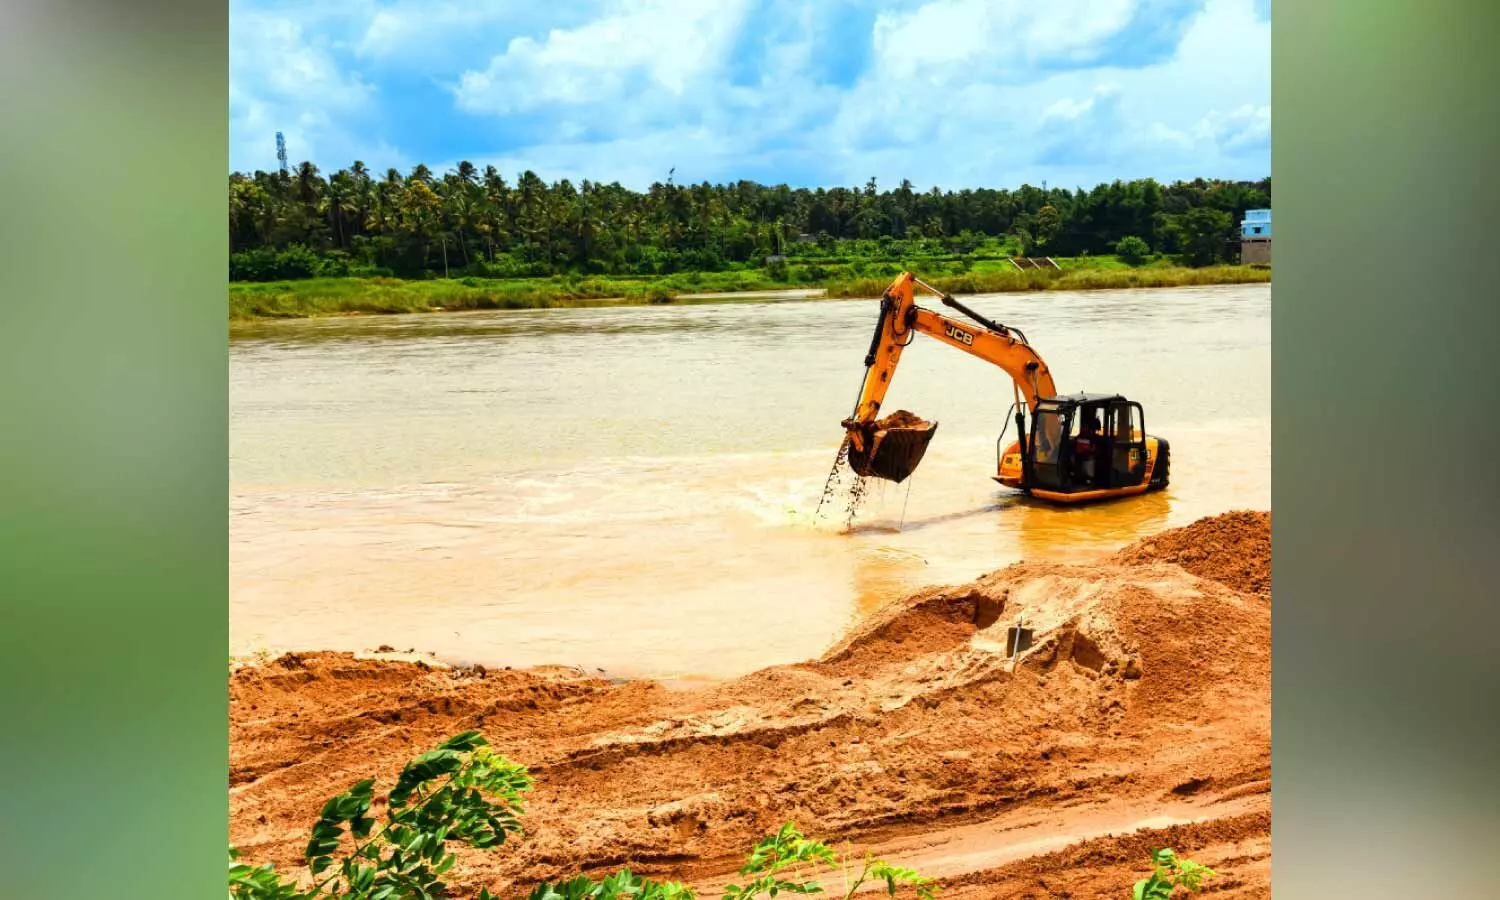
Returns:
point(948, 93)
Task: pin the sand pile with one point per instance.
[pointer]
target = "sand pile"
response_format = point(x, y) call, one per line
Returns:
point(1146, 696)
point(1233, 548)
point(901, 419)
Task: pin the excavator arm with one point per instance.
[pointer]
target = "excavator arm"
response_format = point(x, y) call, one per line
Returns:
point(901, 319)
point(890, 447)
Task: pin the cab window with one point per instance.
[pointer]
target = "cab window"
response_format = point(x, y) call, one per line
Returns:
point(1051, 424)
point(1125, 422)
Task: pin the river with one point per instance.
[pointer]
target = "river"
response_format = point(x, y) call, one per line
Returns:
point(633, 489)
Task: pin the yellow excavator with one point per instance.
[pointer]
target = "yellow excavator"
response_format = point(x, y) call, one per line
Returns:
point(1078, 448)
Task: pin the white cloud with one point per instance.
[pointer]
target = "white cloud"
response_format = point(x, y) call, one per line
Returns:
point(1186, 115)
point(272, 53)
point(284, 79)
point(948, 92)
point(666, 45)
point(951, 39)
point(438, 34)
point(1247, 126)
point(1071, 108)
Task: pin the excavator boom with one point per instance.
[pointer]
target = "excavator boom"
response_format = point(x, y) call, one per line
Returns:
point(901, 318)
point(892, 449)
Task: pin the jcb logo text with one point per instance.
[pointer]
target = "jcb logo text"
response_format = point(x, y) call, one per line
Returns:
point(958, 334)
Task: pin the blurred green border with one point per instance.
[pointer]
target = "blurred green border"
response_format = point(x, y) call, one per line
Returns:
point(113, 448)
point(1386, 305)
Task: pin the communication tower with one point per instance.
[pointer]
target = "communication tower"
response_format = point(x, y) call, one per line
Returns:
point(281, 152)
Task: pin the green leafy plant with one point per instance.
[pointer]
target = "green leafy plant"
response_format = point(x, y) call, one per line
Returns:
point(460, 793)
point(618, 886)
point(1170, 873)
point(781, 864)
point(786, 862)
point(465, 793)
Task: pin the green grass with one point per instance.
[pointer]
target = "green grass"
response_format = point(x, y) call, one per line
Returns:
point(345, 296)
point(1070, 278)
point(365, 296)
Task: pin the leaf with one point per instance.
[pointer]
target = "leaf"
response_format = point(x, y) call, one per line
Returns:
point(325, 840)
point(1153, 888)
point(466, 741)
point(622, 882)
point(425, 768)
point(361, 878)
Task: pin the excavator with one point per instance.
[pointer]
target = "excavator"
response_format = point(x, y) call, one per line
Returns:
point(1079, 447)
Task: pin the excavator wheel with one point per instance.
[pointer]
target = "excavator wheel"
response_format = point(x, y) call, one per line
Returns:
point(1161, 475)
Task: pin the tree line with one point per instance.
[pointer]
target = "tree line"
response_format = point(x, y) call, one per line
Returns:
point(468, 221)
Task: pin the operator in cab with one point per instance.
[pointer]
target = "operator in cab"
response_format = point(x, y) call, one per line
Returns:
point(1086, 447)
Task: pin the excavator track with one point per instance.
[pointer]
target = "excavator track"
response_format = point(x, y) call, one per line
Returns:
point(1161, 473)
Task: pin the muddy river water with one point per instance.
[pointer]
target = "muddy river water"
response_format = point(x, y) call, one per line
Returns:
point(634, 489)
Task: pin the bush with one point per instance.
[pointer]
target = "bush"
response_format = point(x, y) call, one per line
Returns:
point(333, 264)
point(462, 792)
point(1201, 234)
point(465, 793)
point(1171, 873)
point(270, 264)
point(1132, 250)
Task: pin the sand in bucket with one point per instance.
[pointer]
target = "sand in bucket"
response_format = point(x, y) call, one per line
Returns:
point(894, 446)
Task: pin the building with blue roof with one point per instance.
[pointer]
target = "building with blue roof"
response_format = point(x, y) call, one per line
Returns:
point(1255, 237)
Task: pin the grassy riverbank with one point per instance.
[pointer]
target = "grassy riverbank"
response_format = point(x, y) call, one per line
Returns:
point(354, 296)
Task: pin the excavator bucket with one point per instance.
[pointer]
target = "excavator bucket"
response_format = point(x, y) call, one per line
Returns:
point(893, 447)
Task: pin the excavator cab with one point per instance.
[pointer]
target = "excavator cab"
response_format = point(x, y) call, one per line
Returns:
point(1083, 447)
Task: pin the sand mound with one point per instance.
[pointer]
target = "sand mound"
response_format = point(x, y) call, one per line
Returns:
point(1233, 548)
point(1146, 695)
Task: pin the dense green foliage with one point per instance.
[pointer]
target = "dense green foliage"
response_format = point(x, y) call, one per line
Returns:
point(1170, 872)
point(342, 296)
point(472, 222)
point(464, 793)
point(1132, 250)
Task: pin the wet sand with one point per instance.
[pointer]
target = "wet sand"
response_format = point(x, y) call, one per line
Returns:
point(1139, 718)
